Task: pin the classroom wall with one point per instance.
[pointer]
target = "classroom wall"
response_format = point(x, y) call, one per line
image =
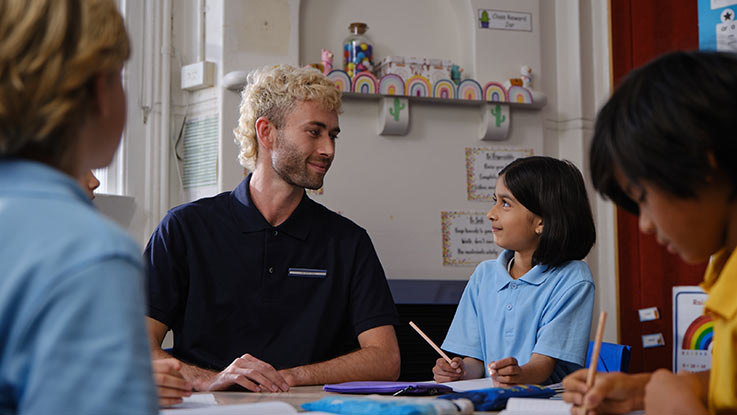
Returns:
point(397, 186)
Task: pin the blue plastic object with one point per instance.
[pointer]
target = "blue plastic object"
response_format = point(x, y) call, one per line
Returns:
point(612, 357)
point(494, 399)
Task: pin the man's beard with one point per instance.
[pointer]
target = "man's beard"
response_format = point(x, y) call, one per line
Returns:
point(292, 167)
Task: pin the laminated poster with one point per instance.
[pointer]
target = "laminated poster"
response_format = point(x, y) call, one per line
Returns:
point(692, 330)
point(482, 169)
point(717, 25)
point(467, 239)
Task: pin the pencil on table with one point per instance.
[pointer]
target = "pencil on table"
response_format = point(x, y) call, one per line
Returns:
point(595, 355)
point(434, 346)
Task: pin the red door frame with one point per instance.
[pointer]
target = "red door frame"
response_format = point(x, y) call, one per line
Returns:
point(642, 30)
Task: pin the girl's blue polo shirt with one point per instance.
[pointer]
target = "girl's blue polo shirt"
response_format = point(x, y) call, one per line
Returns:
point(545, 311)
point(72, 330)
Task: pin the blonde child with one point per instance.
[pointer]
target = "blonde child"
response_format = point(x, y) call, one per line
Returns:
point(71, 289)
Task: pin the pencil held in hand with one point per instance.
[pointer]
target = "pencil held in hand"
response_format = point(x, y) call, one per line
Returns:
point(595, 354)
point(434, 346)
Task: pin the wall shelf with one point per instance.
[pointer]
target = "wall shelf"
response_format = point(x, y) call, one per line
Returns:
point(538, 100)
point(393, 117)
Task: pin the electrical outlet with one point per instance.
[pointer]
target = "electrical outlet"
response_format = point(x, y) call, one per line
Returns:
point(198, 75)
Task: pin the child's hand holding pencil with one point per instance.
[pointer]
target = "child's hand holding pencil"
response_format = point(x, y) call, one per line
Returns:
point(445, 371)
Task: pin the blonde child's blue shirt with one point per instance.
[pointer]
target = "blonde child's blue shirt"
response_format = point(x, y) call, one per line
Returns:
point(546, 311)
point(71, 302)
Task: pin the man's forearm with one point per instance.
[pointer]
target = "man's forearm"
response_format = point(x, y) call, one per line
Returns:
point(368, 363)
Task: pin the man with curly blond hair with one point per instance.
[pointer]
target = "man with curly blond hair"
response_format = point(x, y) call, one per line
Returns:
point(263, 287)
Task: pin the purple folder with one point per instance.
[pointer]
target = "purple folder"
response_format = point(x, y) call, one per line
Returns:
point(389, 388)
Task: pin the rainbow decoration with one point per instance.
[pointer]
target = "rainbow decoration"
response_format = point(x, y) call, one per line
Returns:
point(391, 84)
point(341, 79)
point(519, 95)
point(418, 86)
point(469, 89)
point(494, 91)
point(444, 88)
point(699, 334)
point(365, 83)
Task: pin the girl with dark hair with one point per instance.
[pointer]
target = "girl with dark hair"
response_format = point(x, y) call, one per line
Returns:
point(526, 315)
point(664, 148)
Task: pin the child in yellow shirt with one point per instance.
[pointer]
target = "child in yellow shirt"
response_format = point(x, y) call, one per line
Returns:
point(665, 148)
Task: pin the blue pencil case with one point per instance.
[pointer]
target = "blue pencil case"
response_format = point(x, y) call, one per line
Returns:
point(494, 399)
point(389, 388)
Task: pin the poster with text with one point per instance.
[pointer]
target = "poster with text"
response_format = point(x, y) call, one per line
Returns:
point(717, 26)
point(467, 239)
point(482, 169)
point(692, 330)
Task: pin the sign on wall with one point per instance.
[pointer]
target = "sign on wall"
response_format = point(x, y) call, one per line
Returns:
point(504, 20)
point(692, 330)
point(717, 25)
point(467, 239)
point(483, 166)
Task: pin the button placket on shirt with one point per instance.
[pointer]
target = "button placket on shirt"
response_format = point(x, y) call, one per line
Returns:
point(508, 308)
point(271, 251)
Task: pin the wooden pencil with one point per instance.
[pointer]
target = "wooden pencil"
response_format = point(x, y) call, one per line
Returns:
point(434, 346)
point(595, 354)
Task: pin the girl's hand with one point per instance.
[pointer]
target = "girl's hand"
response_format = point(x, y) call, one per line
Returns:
point(172, 386)
point(444, 372)
point(504, 372)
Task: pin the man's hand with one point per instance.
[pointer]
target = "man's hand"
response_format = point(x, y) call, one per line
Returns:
point(250, 373)
point(448, 372)
point(611, 393)
point(171, 386)
point(668, 393)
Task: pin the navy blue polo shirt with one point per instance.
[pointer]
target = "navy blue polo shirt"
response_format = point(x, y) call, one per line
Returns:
point(228, 283)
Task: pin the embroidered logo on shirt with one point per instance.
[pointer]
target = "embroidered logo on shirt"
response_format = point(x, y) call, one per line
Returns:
point(308, 272)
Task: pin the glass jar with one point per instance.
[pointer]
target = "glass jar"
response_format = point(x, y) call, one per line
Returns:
point(358, 51)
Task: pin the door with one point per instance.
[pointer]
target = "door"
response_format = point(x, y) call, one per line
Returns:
point(642, 30)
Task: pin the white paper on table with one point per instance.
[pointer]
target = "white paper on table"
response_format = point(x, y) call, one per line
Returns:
point(531, 406)
point(470, 384)
point(259, 408)
point(196, 400)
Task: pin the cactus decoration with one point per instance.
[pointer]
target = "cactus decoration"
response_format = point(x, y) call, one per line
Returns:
point(484, 19)
point(396, 109)
point(497, 113)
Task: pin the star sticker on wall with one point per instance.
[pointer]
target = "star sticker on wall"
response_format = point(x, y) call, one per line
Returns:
point(727, 16)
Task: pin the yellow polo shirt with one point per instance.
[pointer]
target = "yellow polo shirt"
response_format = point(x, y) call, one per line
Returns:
point(720, 282)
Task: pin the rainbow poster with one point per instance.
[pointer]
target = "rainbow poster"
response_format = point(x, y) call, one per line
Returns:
point(470, 89)
point(341, 79)
point(693, 331)
point(418, 86)
point(699, 334)
point(444, 88)
point(365, 83)
point(495, 92)
point(391, 84)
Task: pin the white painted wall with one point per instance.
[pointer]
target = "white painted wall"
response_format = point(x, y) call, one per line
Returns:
point(396, 187)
